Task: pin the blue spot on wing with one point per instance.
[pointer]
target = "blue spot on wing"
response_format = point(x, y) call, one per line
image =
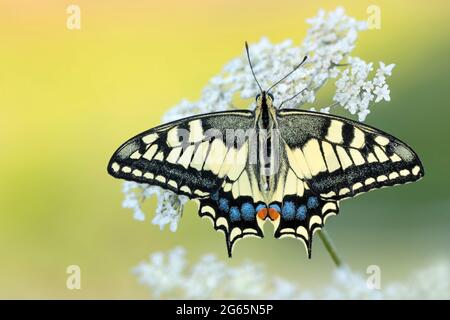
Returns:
point(215, 196)
point(288, 211)
point(223, 204)
point(313, 202)
point(235, 215)
point(276, 207)
point(260, 207)
point(248, 211)
point(301, 212)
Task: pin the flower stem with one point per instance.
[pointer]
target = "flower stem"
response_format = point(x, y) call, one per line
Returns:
point(328, 243)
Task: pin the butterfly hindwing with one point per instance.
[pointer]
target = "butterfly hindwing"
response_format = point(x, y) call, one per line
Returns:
point(340, 158)
point(300, 217)
point(301, 211)
point(235, 217)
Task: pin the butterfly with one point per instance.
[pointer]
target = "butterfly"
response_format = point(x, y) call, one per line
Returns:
point(244, 168)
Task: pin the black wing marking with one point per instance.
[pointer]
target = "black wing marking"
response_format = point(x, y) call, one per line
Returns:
point(340, 158)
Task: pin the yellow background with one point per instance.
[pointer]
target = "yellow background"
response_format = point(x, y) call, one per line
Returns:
point(69, 98)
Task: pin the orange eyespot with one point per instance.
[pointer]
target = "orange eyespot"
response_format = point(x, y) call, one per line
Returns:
point(262, 214)
point(273, 214)
point(268, 212)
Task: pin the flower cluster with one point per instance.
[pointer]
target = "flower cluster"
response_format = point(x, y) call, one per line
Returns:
point(169, 208)
point(355, 92)
point(328, 44)
point(169, 274)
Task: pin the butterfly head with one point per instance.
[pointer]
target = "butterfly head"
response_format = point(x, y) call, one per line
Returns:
point(264, 99)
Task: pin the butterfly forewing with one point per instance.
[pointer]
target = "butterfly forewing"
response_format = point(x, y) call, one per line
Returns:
point(340, 158)
point(183, 156)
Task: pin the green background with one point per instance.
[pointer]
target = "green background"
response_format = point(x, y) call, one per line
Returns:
point(69, 98)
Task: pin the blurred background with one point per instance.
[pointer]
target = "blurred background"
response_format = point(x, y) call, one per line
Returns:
point(69, 98)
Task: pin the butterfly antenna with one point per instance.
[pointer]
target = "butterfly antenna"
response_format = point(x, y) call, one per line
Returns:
point(293, 70)
point(251, 66)
point(294, 96)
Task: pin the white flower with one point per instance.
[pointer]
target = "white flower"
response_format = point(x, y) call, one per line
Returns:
point(382, 93)
point(284, 289)
point(386, 70)
point(325, 110)
point(169, 210)
point(164, 271)
point(131, 200)
point(355, 91)
point(330, 39)
point(246, 281)
point(367, 86)
point(432, 282)
point(169, 207)
point(379, 80)
point(204, 278)
point(210, 278)
point(362, 115)
point(347, 284)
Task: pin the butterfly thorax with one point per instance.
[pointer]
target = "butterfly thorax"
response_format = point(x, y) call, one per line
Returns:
point(265, 112)
point(268, 142)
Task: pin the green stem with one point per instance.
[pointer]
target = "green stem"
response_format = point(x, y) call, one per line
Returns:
point(323, 235)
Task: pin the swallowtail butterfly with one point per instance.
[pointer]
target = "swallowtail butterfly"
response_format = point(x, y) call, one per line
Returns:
point(287, 166)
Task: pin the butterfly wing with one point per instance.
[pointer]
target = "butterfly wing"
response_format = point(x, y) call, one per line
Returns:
point(333, 158)
point(197, 158)
point(233, 207)
point(340, 158)
point(301, 210)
